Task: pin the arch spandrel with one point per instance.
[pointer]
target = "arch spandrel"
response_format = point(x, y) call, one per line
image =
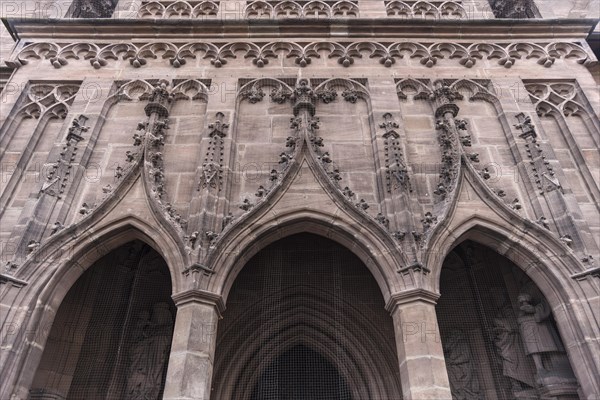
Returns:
point(306, 202)
point(479, 216)
point(107, 227)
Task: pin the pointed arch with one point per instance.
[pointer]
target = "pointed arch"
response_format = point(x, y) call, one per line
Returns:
point(522, 241)
point(547, 261)
point(361, 370)
point(52, 273)
point(241, 244)
point(306, 283)
point(549, 265)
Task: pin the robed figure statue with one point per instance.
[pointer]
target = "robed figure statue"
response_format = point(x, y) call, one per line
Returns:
point(149, 353)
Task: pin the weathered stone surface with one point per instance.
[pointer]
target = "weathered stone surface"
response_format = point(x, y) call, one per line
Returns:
point(213, 129)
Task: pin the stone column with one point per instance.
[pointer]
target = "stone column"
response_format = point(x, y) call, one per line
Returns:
point(189, 374)
point(420, 354)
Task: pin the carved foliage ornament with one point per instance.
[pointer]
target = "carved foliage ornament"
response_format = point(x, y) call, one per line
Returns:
point(151, 133)
point(543, 174)
point(218, 54)
point(60, 171)
point(472, 90)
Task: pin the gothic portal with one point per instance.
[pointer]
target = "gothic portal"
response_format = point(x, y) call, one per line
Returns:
point(299, 199)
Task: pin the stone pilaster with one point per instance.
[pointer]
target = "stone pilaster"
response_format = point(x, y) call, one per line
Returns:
point(189, 375)
point(420, 354)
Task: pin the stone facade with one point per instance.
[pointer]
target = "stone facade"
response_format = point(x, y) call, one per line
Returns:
point(435, 165)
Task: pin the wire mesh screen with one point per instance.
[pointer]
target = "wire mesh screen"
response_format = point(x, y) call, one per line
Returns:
point(93, 8)
point(482, 329)
point(305, 320)
point(112, 333)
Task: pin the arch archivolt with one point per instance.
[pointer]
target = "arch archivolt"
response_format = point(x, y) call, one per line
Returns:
point(382, 260)
point(51, 272)
point(538, 253)
point(541, 255)
point(355, 360)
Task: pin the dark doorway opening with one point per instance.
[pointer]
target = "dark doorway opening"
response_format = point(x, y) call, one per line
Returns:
point(499, 336)
point(111, 336)
point(301, 374)
point(305, 319)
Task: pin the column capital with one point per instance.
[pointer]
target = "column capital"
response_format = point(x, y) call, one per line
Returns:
point(200, 296)
point(410, 296)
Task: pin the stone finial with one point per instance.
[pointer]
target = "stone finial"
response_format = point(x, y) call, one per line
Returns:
point(304, 98)
point(160, 100)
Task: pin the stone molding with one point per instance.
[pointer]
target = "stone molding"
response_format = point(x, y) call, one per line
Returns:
point(568, 29)
point(7, 279)
point(200, 296)
point(177, 54)
point(591, 273)
point(410, 296)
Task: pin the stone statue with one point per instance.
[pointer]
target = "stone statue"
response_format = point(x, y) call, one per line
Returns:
point(464, 382)
point(136, 374)
point(149, 353)
point(542, 341)
point(507, 340)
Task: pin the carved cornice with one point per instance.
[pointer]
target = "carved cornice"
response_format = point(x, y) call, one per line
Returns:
point(385, 27)
point(218, 54)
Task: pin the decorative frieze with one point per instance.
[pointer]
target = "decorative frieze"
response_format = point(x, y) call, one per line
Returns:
point(177, 54)
point(425, 9)
point(260, 9)
point(178, 9)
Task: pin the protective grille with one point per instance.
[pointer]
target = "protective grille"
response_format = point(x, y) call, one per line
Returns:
point(304, 320)
point(93, 8)
point(112, 334)
point(477, 314)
